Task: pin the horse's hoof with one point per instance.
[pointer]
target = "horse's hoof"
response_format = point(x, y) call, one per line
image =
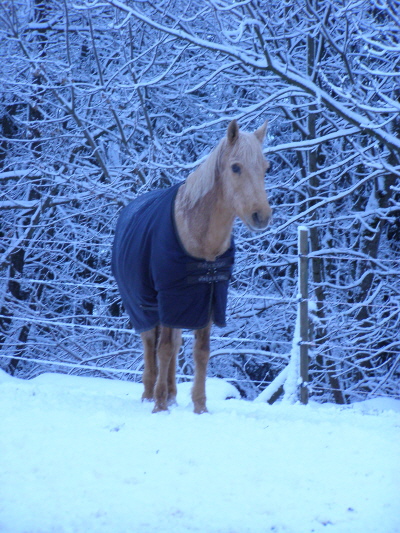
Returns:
point(199, 410)
point(147, 398)
point(172, 401)
point(159, 409)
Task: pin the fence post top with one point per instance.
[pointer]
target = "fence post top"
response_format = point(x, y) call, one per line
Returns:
point(303, 228)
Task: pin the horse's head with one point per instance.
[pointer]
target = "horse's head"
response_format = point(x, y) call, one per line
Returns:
point(243, 170)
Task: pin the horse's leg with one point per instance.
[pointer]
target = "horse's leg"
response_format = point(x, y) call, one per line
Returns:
point(149, 340)
point(171, 399)
point(201, 354)
point(168, 345)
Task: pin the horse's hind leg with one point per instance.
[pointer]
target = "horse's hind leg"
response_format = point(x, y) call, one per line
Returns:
point(167, 349)
point(149, 340)
point(201, 354)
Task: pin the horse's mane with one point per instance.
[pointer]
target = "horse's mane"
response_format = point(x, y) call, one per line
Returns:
point(201, 180)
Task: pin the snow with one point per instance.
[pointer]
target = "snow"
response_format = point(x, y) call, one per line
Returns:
point(291, 383)
point(85, 455)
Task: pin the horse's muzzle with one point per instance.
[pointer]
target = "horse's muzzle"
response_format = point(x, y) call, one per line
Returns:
point(259, 221)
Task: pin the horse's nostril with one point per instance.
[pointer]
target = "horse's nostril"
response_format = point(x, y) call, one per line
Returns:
point(256, 218)
point(259, 221)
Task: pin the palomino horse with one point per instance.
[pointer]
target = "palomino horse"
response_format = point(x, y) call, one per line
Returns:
point(173, 255)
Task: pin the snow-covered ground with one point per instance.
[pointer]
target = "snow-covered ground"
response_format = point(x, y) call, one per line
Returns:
point(85, 455)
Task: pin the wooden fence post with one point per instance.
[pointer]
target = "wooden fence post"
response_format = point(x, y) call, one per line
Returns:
point(303, 311)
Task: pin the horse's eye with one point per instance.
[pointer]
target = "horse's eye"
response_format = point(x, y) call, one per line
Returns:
point(236, 168)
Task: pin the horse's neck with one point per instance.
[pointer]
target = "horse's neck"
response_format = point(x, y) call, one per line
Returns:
point(204, 227)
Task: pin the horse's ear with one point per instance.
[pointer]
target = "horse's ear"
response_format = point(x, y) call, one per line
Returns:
point(262, 130)
point(233, 132)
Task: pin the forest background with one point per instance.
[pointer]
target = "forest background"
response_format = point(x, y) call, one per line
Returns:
point(103, 100)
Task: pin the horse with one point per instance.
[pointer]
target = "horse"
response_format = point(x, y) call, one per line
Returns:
point(173, 255)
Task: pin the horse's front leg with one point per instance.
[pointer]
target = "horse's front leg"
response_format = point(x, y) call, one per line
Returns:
point(149, 340)
point(172, 390)
point(201, 355)
point(167, 349)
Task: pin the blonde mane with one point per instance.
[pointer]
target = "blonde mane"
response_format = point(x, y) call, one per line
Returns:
point(201, 181)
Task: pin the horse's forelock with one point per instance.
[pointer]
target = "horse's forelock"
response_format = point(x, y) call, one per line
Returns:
point(246, 151)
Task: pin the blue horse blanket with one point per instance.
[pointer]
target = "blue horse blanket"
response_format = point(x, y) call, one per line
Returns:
point(159, 282)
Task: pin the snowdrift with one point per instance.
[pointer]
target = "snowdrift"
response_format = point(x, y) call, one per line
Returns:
point(85, 455)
